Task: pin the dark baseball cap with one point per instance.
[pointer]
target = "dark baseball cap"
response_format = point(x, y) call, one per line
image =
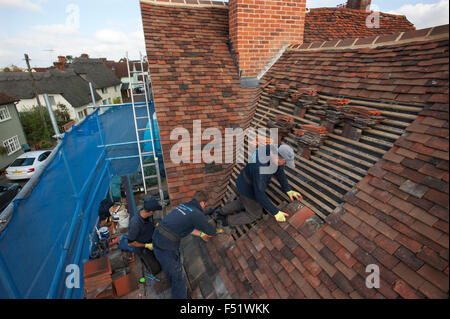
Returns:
point(152, 205)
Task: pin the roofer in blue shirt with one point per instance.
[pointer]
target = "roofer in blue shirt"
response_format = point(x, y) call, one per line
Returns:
point(140, 233)
point(252, 183)
point(187, 218)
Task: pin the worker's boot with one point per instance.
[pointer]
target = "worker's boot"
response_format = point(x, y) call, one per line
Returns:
point(221, 220)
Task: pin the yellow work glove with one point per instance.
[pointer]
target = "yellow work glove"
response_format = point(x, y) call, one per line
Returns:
point(149, 246)
point(204, 236)
point(281, 216)
point(295, 194)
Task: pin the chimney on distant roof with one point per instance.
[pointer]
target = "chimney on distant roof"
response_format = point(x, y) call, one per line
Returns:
point(358, 4)
point(62, 59)
point(84, 56)
point(259, 30)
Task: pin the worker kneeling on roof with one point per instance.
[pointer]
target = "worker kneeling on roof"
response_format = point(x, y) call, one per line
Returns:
point(252, 183)
point(140, 233)
point(187, 218)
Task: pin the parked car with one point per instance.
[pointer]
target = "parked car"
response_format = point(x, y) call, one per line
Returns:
point(7, 194)
point(26, 165)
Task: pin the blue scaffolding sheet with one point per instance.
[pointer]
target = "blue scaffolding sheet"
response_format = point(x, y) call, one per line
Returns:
point(48, 227)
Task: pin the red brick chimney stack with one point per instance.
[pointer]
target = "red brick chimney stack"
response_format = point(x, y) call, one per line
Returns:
point(62, 59)
point(259, 29)
point(358, 4)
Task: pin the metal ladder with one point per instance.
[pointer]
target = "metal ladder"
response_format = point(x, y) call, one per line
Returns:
point(145, 82)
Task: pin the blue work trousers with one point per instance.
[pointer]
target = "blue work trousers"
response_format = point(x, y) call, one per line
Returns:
point(171, 265)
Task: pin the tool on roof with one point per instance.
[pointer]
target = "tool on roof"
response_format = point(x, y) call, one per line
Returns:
point(143, 82)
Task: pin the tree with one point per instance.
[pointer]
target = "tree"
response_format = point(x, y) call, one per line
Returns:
point(33, 126)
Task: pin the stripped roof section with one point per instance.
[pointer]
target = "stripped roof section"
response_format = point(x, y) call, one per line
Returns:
point(395, 218)
point(324, 24)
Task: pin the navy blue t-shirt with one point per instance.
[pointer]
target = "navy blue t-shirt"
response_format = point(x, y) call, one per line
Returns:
point(140, 229)
point(182, 221)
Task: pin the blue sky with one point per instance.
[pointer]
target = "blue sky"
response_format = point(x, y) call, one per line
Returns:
point(109, 28)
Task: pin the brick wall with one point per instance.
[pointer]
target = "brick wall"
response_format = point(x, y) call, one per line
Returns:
point(193, 78)
point(259, 29)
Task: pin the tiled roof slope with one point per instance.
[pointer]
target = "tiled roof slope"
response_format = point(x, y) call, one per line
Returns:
point(193, 78)
point(396, 217)
point(96, 72)
point(6, 99)
point(67, 83)
point(323, 24)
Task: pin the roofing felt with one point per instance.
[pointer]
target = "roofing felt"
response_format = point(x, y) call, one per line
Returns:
point(95, 71)
point(6, 99)
point(67, 83)
point(323, 24)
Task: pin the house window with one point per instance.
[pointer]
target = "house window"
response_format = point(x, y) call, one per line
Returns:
point(115, 89)
point(104, 90)
point(104, 102)
point(109, 100)
point(12, 145)
point(4, 114)
point(52, 100)
point(81, 115)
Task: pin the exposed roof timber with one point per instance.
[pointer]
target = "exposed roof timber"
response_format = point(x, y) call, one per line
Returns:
point(434, 33)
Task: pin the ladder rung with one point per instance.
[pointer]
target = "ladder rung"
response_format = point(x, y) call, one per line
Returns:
point(136, 94)
point(139, 72)
point(148, 165)
point(141, 117)
point(145, 141)
point(138, 82)
point(147, 153)
point(143, 129)
point(152, 188)
point(151, 176)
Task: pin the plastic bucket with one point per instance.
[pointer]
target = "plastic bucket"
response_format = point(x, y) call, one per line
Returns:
point(104, 232)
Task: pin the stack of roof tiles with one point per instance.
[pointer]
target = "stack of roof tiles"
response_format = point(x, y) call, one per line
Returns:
point(97, 279)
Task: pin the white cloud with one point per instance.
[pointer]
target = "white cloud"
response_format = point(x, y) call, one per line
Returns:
point(110, 36)
point(55, 29)
point(109, 43)
point(22, 4)
point(425, 15)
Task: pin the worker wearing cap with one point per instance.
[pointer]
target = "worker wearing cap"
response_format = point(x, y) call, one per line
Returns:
point(252, 183)
point(140, 233)
point(187, 218)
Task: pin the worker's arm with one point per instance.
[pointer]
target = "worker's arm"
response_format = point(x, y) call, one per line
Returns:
point(281, 177)
point(201, 224)
point(259, 188)
point(136, 244)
